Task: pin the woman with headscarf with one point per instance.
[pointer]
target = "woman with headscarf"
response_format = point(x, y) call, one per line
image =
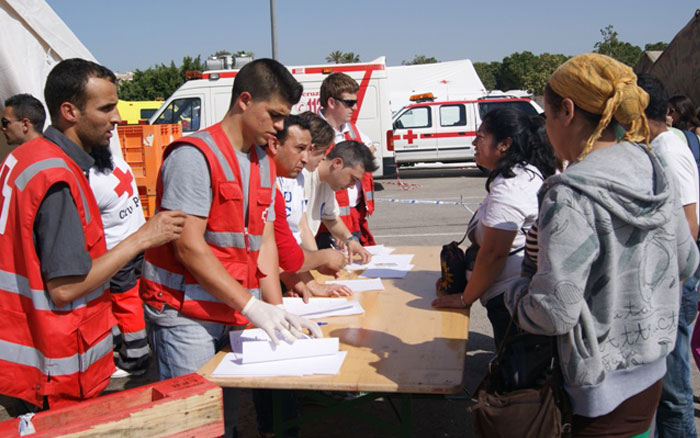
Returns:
point(613, 247)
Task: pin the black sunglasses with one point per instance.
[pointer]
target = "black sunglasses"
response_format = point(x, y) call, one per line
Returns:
point(6, 122)
point(349, 102)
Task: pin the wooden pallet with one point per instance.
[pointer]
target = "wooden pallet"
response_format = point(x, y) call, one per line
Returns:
point(187, 406)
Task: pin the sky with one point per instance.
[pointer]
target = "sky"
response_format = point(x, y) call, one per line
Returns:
point(126, 34)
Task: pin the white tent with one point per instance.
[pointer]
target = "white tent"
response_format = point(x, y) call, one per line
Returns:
point(451, 80)
point(32, 40)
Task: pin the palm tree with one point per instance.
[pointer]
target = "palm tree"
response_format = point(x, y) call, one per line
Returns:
point(336, 57)
point(350, 57)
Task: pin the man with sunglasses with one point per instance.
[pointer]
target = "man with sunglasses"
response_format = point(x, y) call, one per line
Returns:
point(338, 104)
point(22, 119)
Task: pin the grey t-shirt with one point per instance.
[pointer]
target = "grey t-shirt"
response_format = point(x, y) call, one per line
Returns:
point(58, 235)
point(187, 187)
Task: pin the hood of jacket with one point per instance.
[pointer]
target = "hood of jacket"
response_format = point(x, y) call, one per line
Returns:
point(626, 179)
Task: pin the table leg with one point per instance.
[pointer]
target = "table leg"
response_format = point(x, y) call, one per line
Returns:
point(277, 419)
point(406, 415)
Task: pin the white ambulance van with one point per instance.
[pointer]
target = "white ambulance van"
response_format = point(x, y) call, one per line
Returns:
point(202, 102)
point(434, 131)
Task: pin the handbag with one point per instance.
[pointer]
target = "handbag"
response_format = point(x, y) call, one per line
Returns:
point(522, 394)
point(454, 264)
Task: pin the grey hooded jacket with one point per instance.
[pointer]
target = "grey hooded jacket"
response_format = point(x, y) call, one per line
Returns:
point(614, 246)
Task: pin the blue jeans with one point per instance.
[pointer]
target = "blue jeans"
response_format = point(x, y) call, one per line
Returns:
point(499, 316)
point(183, 349)
point(675, 416)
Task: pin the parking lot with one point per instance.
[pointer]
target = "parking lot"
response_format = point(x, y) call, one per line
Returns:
point(396, 223)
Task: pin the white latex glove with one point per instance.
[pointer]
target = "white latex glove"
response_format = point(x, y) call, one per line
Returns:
point(271, 318)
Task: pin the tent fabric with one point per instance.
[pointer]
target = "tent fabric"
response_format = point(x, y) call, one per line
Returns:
point(678, 67)
point(451, 80)
point(34, 39)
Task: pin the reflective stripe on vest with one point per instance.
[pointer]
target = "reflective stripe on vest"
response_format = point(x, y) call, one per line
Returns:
point(344, 211)
point(195, 292)
point(207, 138)
point(50, 163)
point(61, 366)
point(232, 240)
point(176, 282)
point(264, 163)
point(369, 195)
point(41, 300)
point(163, 277)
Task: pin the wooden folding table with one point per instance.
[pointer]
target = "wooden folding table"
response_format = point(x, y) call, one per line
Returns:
point(400, 345)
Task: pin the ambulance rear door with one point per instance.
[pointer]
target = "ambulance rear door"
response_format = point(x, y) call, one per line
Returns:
point(455, 131)
point(414, 135)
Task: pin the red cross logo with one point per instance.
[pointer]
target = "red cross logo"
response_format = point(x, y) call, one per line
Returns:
point(410, 136)
point(125, 180)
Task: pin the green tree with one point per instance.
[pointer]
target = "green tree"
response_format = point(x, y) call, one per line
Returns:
point(612, 46)
point(488, 73)
point(335, 57)
point(221, 53)
point(536, 77)
point(656, 46)
point(420, 59)
point(514, 69)
point(158, 82)
point(350, 57)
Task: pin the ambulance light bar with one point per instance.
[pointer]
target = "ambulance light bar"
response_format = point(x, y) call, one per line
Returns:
point(193, 74)
point(423, 97)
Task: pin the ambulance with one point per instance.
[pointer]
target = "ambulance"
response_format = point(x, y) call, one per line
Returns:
point(204, 100)
point(443, 131)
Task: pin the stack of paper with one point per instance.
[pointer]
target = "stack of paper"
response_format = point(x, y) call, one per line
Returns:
point(376, 250)
point(385, 266)
point(319, 307)
point(360, 285)
point(254, 354)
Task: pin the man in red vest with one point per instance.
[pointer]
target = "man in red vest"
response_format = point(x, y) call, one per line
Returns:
point(338, 105)
point(55, 339)
point(226, 260)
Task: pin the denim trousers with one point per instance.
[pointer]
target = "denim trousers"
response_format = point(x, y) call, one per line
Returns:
point(499, 317)
point(183, 349)
point(675, 416)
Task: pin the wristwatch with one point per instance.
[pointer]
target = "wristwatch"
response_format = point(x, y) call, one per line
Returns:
point(352, 237)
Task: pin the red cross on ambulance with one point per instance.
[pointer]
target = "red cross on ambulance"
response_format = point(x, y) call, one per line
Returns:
point(410, 136)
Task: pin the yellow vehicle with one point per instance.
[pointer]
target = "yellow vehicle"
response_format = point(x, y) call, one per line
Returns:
point(133, 113)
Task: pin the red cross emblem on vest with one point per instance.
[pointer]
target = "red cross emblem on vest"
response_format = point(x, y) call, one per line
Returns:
point(410, 136)
point(125, 179)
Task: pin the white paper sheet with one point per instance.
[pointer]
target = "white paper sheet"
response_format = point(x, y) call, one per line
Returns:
point(389, 261)
point(377, 250)
point(386, 272)
point(231, 366)
point(360, 285)
point(319, 307)
point(266, 351)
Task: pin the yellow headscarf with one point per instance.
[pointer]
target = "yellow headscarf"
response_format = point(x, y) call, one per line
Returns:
point(601, 85)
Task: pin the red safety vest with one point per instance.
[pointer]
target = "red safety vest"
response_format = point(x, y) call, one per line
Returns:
point(342, 195)
point(367, 178)
point(62, 353)
point(166, 281)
